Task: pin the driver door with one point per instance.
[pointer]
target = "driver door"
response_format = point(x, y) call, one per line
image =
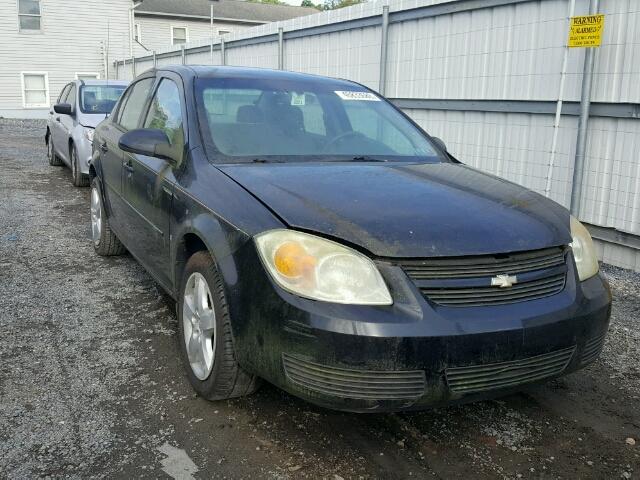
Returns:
point(148, 181)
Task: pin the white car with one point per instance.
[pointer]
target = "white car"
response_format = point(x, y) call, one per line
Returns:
point(82, 104)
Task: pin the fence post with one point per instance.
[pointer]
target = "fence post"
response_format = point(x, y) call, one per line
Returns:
point(585, 105)
point(557, 118)
point(382, 79)
point(280, 48)
point(155, 60)
point(133, 67)
point(223, 52)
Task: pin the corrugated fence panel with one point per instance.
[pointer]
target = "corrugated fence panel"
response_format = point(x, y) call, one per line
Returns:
point(352, 54)
point(507, 52)
point(617, 61)
point(611, 185)
point(264, 55)
point(514, 146)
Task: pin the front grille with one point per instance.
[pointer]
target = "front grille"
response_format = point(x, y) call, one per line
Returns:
point(592, 348)
point(476, 296)
point(349, 383)
point(493, 376)
point(483, 265)
point(466, 281)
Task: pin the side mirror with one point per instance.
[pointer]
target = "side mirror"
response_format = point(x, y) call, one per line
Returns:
point(63, 108)
point(439, 143)
point(148, 141)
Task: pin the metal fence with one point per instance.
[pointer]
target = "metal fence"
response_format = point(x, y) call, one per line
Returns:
point(486, 77)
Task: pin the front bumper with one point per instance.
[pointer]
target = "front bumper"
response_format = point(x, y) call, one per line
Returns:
point(413, 354)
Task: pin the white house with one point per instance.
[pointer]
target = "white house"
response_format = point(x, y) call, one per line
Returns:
point(47, 43)
point(159, 24)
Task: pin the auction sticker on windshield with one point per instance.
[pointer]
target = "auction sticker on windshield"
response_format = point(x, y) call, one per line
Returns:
point(367, 96)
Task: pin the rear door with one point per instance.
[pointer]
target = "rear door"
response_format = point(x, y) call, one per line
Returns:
point(148, 182)
point(128, 117)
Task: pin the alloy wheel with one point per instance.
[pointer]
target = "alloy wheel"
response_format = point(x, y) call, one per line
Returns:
point(199, 325)
point(96, 215)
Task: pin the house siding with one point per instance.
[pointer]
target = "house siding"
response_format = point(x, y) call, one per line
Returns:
point(71, 40)
point(156, 31)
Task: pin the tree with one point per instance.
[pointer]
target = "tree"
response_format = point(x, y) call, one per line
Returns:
point(335, 4)
point(309, 3)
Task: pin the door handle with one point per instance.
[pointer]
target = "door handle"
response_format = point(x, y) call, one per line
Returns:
point(128, 167)
point(57, 119)
point(103, 147)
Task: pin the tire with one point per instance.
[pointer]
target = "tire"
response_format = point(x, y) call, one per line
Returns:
point(222, 377)
point(105, 242)
point(79, 179)
point(54, 160)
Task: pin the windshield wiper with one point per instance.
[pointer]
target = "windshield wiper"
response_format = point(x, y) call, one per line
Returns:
point(365, 158)
point(264, 160)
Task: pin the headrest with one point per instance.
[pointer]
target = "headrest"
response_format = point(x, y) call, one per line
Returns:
point(249, 114)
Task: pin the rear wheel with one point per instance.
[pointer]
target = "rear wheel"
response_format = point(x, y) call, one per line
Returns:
point(79, 178)
point(105, 242)
point(51, 153)
point(204, 331)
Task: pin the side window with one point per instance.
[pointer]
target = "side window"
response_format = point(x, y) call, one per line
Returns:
point(165, 113)
point(131, 109)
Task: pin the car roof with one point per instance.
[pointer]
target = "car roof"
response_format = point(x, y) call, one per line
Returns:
point(208, 71)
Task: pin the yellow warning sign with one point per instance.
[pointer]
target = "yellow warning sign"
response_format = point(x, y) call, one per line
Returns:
point(586, 31)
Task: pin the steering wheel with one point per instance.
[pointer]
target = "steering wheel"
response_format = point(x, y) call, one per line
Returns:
point(340, 137)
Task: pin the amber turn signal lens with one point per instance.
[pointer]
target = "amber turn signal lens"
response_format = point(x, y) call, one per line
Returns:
point(292, 260)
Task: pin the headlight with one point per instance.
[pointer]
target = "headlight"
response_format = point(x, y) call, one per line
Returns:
point(320, 269)
point(88, 134)
point(584, 251)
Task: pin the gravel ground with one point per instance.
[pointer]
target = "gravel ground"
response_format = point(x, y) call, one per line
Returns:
point(91, 385)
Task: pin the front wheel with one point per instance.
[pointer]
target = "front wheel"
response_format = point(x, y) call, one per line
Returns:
point(204, 331)
point(105, 242)
point(54, 160)
point(79, 179)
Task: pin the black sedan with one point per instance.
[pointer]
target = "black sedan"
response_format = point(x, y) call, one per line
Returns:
point(314, 236)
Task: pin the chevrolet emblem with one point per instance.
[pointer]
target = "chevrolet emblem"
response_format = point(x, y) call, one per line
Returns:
point(504, 281)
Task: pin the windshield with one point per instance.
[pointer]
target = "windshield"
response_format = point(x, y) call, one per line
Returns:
point(99, 98)
point(249, 119)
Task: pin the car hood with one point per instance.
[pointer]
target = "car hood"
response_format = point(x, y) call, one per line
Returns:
point(407, 210)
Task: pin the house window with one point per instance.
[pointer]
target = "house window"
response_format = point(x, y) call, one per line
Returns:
point(223, 32)
point(179, 35)
point(136, 33)
point(29, 14)
point(87, 76)
point(35, 89)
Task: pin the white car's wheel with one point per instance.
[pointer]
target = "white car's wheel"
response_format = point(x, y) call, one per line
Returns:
point(79, 179)
point(51, 153)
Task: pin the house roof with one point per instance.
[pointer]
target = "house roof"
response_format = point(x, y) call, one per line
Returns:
point(222, 9)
